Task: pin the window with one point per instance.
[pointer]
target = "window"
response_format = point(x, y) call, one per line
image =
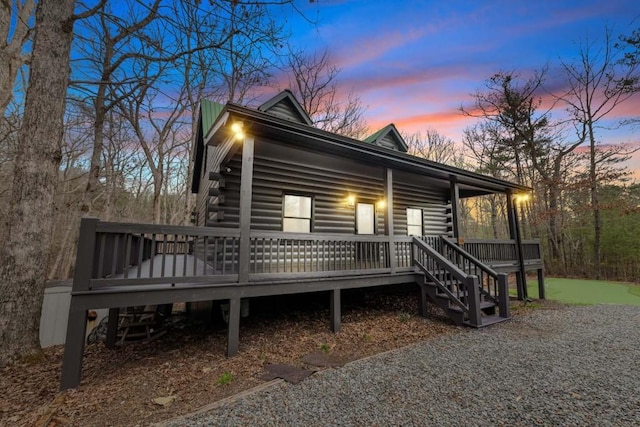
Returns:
point(414, 222)
point(297, 214)
point(365, 218)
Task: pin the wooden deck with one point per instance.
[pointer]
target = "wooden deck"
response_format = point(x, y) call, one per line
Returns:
point(124, 265)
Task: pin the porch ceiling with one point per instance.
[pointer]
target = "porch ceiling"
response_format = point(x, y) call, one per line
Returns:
point(307, 137)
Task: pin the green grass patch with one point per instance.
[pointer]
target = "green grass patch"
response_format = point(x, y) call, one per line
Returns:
point(587, 292)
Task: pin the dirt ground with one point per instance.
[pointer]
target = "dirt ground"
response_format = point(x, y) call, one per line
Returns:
point(185, 369)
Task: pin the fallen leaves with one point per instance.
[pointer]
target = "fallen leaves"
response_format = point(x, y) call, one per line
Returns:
point(147, 382)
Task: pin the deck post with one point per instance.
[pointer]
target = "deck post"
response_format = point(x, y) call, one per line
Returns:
point(77, 321)
point(246, 182)
point(422, 299)
point(473, 299)
point(503, 295)
point(514, 233)
point(335, 310)
point(233, 329)
point(112, 327)
point(388, 218)
point(85, 250)
point(455, 207)
point(541, 290)
point(74, 347)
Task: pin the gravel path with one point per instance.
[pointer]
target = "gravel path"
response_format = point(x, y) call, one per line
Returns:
point(574, 366)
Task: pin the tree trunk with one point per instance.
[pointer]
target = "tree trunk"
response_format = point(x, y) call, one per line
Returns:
point(25, 254)
point(98, 145)
point(595, 204)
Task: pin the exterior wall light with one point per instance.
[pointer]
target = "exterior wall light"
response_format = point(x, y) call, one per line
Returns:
point(381, 204)
point(351, 200)
point(238, 130)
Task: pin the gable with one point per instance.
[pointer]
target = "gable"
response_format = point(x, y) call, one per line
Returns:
point(286, 106)
point(388, 137)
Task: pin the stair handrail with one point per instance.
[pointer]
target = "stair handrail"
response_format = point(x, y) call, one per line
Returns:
point(473, 260)
point(501, 296)
point(470, 282)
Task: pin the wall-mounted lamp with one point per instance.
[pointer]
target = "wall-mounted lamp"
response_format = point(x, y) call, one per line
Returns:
point(238, 130)
point(381, 204)
point(351, 200)
point(521, 198)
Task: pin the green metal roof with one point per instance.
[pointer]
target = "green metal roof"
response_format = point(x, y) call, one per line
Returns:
point(209, 112)
point(371, 138)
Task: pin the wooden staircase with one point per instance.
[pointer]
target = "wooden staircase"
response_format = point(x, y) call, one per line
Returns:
point(477, 300)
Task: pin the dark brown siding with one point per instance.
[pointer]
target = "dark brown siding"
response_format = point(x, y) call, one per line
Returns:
point(388, 142)
point(280, 169)
point(415, 192)
point(285, 111)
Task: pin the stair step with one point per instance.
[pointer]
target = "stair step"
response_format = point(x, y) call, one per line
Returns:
point(488, 320)
point(483, 305)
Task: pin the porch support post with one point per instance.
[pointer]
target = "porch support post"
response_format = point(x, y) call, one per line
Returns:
point(388, 218)
point(233, 328)
point(503, 295)
point(335, 310)
point(541, 291)
point(514, 233)
point(74, 347)
point(455, 207)
point(246, 183)
point(112, 327)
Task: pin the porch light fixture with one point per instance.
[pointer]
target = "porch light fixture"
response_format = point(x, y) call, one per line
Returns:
point(238, 130)
point(351, 200)
point(521, 198)
point(381, 204)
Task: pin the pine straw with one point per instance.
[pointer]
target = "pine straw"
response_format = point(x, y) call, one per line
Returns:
point(119, 385)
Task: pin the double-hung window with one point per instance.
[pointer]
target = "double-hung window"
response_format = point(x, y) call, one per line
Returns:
point(297, 214)
point(414, 222)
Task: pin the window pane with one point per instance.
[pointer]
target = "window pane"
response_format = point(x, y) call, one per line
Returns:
point(297, 206)
point(414, 216)
point(414, 230)
point(364, 218)
point(295, 225)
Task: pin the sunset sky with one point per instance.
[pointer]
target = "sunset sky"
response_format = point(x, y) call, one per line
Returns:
point(414, 63)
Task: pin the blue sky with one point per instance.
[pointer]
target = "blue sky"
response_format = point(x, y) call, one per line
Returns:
point(414, 63)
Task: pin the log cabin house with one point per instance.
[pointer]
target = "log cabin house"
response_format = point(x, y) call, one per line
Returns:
point(284, 208)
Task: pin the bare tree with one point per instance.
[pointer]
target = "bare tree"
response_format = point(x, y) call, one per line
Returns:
point(313, 79)
point(24, 255)
point(157, 130)
point(432, 145)
point(12, 41)
point(599, 81)
point(115, 43)
point(512, 105)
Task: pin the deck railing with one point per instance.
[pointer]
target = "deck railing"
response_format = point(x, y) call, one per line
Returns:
point(502, 251)
point(308, 255)
point(141, 254)
point(119, 254)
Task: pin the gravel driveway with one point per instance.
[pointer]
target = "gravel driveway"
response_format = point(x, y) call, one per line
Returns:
point(573, 366)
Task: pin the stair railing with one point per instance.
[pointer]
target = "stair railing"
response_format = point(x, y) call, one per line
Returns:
point(493, 285)
point(462, 289)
